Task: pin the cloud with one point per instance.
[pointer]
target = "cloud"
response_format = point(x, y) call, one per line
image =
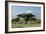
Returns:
point(19, 12)
point(29, 11)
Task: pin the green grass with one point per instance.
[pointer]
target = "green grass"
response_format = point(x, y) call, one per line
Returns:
point(25, 25)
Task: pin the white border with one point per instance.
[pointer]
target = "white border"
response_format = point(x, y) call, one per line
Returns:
point(23, 29)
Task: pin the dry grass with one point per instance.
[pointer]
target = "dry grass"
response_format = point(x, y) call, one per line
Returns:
point(25, 25)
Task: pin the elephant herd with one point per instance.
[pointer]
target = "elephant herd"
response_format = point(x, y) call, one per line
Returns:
point(25, 19)
point(22, 21)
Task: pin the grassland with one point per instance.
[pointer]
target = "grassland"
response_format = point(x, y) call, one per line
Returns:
point(25, 25)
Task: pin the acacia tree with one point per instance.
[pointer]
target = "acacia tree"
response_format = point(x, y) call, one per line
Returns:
point(26, 17)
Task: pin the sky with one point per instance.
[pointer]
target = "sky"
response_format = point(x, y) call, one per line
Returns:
point(26, 9)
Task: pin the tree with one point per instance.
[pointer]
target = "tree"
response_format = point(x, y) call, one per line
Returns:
point(15, 20)
point(26, 17)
